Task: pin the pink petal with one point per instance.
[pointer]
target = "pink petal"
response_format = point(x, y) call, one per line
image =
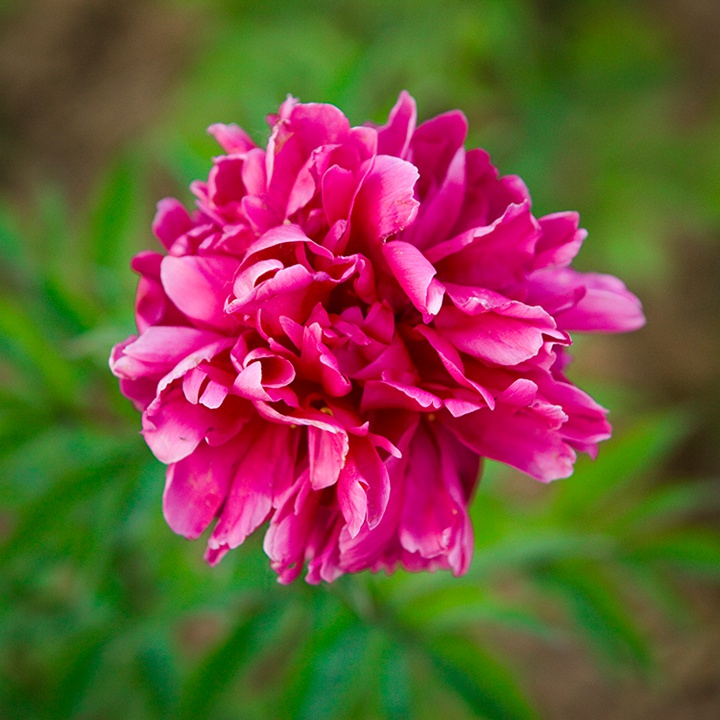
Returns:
point(171, 221)
point(199, 286)
point(268, 463)
point(522, 438)
point(379, 394)
point(440, 209)
point(385, 203)
point(588, 302)
point(504, 333)
point(429, 512)
point(173, 427)
point(231, 138)
point(416, 276)
point(352, 498)
point(495, 257)
point(326, 456)
point(607, 306)
point(434, 145)
point(290, 527)
point(159, 349)
point(195, 489)
point(560, 240)
point(394, 137)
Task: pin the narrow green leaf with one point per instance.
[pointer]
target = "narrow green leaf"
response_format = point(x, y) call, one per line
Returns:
point(30, 348)
point(524, 550)
point(599, 612)
point(84, 658)
point(695, 550)
point(327, 618)
point(112, 215)
point(334, 673)
point(158, 676)
point(205, 686)
point(13, 247)
point(485, 685)
point(394, 680)
point(667, 504)
point(43, 516)
point(619, 462)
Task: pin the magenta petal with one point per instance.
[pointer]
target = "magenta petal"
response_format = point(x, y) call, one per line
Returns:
point(326, 456)
point(386, 394)
point(588, 302)
point(440, 211)
point(363, 487)
point(607, 306)
point(429, 512)
point(352, 497)
point(290, 527)
point(416, 276)
point(394, 137)
point(160, 349)
point(560, 240)
point(152, 305)
point(376, 479)
point(338, 191)
point(522, 438)
point(323, 544)
point(267, 463)
point(452, 362)
point(225, 185)
point(171, 221)
point(434, 145)
point(231, 138)
point(253, 172)
point(199, 286)
point(195, 489)
point(173, 427)
point(248, 383)
point(385, 203)
point(494, 257)
point(319, 364)
point(505, 334)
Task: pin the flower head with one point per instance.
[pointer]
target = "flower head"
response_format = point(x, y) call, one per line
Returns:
point(347, 323)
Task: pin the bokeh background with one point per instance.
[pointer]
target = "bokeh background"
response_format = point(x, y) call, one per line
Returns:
point(596, 597)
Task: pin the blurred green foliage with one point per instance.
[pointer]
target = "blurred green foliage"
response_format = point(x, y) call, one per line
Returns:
point(106, 614)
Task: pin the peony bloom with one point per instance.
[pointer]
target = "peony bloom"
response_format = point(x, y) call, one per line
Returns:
point(347, 323)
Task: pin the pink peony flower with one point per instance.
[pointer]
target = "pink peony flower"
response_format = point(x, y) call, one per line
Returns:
point(351, 319)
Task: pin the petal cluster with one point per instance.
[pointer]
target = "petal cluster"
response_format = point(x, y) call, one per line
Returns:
point(349, 320)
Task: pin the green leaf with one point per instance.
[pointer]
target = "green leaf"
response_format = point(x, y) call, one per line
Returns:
point(327, 617)
point(485, 685)
point(13, 246)
point(112, 216)
point(28, 346)
point(42, 517)
point(621, 460)
point(334, 673)
point(158, 676)
point(457, 604)
point(205, 686)
point(695, 550)
point(600, 612)
point(84, 657)
point(524, 550)
point(394, 680)
point(666, 505)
